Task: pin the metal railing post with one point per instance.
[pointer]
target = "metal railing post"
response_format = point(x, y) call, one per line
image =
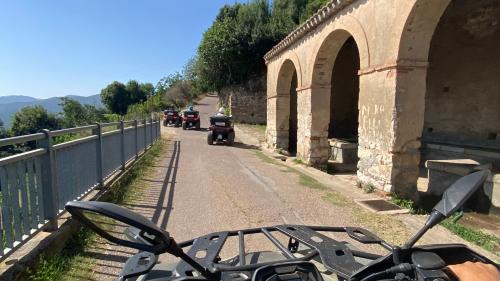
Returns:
point(49, 185)
point(122, 150)
point(136, 139)
point(156, 130)
point(151, 134)
point(158, 127)
point(145, 135)
point(100, 178)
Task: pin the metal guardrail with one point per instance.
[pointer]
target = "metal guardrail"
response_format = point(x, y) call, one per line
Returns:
point(35, 185)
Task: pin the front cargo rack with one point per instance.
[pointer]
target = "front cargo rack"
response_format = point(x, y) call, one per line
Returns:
point(334, 255)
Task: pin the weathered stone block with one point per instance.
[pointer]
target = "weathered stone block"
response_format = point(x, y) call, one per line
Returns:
point(343, 151)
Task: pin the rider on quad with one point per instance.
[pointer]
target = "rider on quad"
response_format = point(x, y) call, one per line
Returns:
point(221, 129)
point(171, 117)
point(190, 119)
point(220, 112)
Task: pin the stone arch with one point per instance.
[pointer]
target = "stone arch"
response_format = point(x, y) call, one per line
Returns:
point(446, 88)
point(332, 41)
point(328, 45)
point(290, 57)
point(418, 30)
point(287, 83)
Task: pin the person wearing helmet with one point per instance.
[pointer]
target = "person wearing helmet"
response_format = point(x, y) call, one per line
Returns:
point(220, 112)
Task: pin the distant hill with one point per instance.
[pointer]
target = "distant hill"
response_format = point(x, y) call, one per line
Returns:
point(10, 99)
point(11, 104)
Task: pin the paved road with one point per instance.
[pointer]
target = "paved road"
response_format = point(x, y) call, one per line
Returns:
point(196, 189)
point(220, 187)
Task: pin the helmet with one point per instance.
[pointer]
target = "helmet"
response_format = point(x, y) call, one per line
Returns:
point(221, 110)
point(190, 108)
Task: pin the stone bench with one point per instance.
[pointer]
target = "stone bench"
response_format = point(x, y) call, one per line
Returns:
point(344, 152)
point(443, 173)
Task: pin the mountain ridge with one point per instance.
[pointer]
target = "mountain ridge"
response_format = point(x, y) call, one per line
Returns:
point(8, 109)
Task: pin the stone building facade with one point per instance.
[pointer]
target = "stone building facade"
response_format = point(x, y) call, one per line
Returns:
point(399, 78)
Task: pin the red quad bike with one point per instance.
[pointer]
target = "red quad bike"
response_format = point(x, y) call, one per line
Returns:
point(221, 130)
point(190, 119)
point(171, 117)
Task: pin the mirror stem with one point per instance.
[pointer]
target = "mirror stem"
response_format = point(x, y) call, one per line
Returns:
point(435, 218)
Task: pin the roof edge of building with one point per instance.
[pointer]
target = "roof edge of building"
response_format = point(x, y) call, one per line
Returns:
point(323, 14)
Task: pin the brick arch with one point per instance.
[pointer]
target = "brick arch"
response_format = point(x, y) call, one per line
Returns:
point(416, 35)
point(289, 60)
point(289, 69)
point(328, 45)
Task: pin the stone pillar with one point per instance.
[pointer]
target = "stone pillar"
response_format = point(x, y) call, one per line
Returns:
point(313, 110)
point(391, 114)
point(278, 114)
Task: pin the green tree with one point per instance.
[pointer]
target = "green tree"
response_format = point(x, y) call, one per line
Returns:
point(75, 114)
point(136, 92)
point(168, 81)
point(148, 89)
point(116, 98)
point(312, 7)
point(180, 94)
point(232, 49)
point(32, 119)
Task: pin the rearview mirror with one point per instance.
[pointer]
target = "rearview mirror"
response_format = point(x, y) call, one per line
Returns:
point(459, 192)
point(113, 223)
point(453, 198)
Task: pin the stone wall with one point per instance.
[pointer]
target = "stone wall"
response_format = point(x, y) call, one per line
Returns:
point(462, 100)
point(248, 102)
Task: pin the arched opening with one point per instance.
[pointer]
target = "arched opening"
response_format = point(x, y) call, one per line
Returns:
point(286, 111)
point(345, 94)
point(462, 96)
point(336, 75)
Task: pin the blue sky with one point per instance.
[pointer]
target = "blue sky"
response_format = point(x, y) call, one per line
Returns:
point(60, 47)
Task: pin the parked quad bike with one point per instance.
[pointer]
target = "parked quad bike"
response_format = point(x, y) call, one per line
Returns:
point(309, 255)
point(171, 117)
point(221, 130)
point(190, 119)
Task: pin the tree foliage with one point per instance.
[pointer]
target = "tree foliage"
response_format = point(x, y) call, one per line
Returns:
point(232, 49)
point(179, 89)
point(75, 114)
point(32, 119)
point(117, 97)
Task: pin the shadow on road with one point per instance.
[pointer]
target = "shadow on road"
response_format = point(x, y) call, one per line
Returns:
point(168, 185)
point(245, 146)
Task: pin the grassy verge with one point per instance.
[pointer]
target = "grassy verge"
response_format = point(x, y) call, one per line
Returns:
point(397, 233)
point(260, 128)
point(73, 253)
point(486, 241)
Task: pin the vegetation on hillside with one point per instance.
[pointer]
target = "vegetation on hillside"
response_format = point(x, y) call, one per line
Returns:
point(232, 49)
